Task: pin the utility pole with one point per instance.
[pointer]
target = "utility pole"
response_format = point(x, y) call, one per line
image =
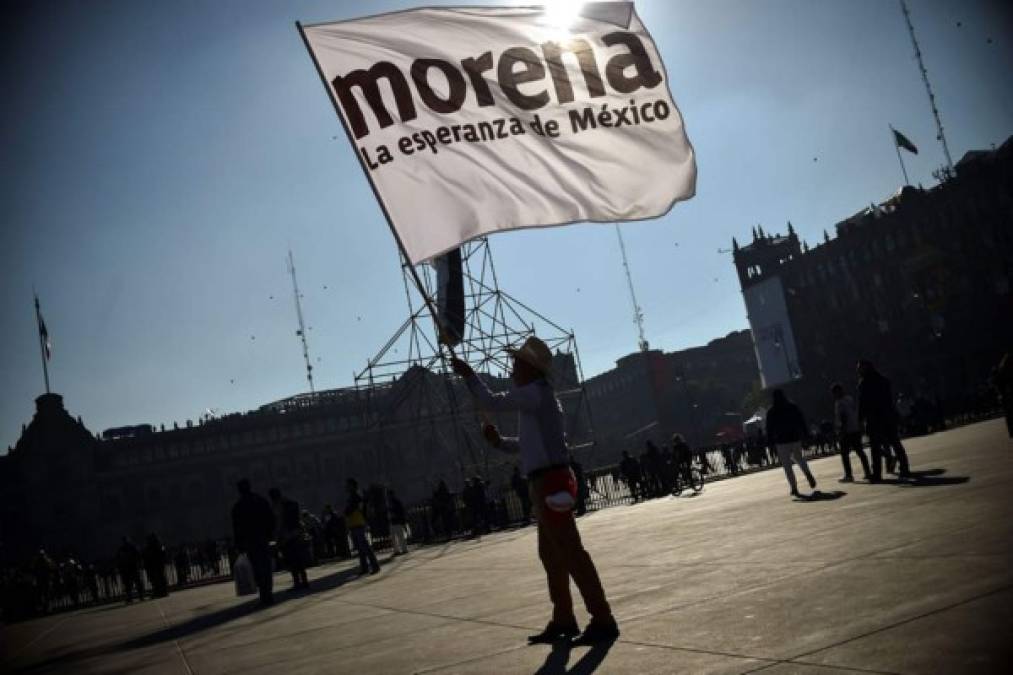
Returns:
point(302, 326)
point(928, 87)
point(638, 314)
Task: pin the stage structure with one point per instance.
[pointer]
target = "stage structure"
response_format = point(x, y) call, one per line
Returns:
point(417, 413)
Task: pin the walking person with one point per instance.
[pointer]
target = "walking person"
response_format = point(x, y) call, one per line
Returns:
point(252, 529)
point(876, 410)
point(292, 538)
point(128, 561)
point(355, 521)
point(335, 534)
point(553, 490)
point(630, 469)
point(683, 457)
point(786, 430)
point(155, 560)
point(846, 423)
point(398, 524)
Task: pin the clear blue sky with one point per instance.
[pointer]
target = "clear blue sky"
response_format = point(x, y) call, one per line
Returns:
point(159, 157)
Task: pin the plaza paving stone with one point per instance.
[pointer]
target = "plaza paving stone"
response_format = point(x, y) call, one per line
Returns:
point(890, 578)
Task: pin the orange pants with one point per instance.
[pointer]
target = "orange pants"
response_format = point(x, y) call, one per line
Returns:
point(563, 556)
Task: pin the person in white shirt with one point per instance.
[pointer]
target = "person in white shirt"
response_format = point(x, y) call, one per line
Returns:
point(553, 487)
point(850, 430)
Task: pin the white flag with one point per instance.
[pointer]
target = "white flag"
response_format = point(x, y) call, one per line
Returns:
point(473, 120)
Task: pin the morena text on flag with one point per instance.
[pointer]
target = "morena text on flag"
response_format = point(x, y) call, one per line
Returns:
point(514, 67)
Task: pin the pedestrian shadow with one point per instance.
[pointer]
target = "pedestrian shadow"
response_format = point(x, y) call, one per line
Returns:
point(191, 626)
point(819, 496)
point(559, 657)
point(930, 481)
point(927, 473)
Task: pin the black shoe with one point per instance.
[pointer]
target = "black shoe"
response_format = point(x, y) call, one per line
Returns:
point(375, 570)
point(794, 493)
point(847, 479)
point(555, 632)
point(596, 633)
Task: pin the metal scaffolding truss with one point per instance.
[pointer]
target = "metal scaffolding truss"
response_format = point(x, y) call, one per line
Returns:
point(407, 386)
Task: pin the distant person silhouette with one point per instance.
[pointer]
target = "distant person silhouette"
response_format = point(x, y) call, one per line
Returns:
point(877, 411)
point(155, 560)
point(335, 533)
point(252, 528)
point(128, 562)
point(292, 538)
point(846, 423)
point(683, 457)
point(355, 521)
point(629, 467)
point(786, 429)
point(398, 523)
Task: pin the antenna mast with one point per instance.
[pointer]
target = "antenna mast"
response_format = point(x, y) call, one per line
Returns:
point(928, 87)
point(638, 314)
point(302, 326)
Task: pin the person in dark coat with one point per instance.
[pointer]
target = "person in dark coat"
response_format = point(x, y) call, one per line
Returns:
point(335, 534)
point(128, 562)
point(877, 412)
point(292, 539)
point(630, 469)
point(786, 429)
point(154, 564)
point(252, 529)
point(398, 523)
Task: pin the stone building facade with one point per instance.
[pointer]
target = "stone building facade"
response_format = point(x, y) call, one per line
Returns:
point(920, 284)
point(651, 395)
point(69, 490)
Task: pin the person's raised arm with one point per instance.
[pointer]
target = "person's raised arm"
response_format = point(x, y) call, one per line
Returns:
point(520, 398)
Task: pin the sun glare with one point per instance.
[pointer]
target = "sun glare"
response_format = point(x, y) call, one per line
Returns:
point(562, 13)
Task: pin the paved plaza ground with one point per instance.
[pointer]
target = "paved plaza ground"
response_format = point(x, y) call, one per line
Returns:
point(890, 578)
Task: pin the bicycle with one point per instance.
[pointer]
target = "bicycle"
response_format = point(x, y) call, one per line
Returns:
point(694, 482)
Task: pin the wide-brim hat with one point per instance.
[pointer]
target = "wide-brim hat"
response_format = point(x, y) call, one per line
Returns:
point(535, 353)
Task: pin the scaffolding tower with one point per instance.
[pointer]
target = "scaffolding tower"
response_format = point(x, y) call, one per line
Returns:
point(410, 397)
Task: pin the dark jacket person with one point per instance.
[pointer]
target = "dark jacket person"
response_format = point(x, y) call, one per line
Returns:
point(252, 529)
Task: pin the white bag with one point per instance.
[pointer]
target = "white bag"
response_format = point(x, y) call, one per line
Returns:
point(242, 572)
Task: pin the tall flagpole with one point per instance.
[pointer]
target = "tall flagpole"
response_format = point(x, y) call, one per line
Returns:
point(893, 136)
point(383, 206)
point(941, 137)
point(42, 342)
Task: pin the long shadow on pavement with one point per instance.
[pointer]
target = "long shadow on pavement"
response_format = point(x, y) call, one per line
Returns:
point(196, 624)
point(926, 478)
point(555, 662)
point(819, 496)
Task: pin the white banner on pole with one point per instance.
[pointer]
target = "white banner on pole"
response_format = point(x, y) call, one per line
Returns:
point(472, 120)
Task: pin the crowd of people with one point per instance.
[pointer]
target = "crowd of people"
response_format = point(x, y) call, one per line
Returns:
point(294, 538)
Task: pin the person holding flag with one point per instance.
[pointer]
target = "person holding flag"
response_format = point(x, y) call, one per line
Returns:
point(553, 489)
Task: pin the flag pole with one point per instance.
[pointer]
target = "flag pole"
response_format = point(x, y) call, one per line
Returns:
point(42, 341)
point(893, 135)
point(383, 207)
